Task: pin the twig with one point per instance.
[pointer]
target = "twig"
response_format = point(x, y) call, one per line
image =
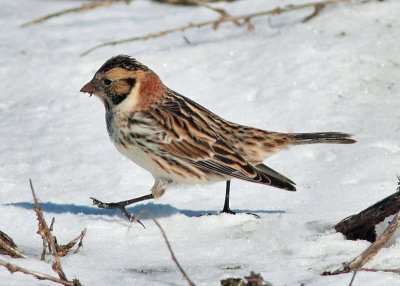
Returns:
point(191, 283)
point(45, 233)
point(317, 9)
point(352, 278)
point(8, 247)
point(246, 18)
point(397, 271)
point(370, 252)
point(220, 11)
point(53, 220)
point(41, 276)
point(63, 250)
point(84, 7)
point(10, 251)
point(50, 240)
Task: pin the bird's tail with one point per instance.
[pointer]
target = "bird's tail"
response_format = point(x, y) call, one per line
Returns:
point(321, 137)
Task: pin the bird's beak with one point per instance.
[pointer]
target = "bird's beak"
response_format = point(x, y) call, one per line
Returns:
point(89, 88)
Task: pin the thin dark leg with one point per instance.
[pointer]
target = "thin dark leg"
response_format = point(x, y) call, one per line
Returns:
point(226, 204)
point(226, 208)
point(122, 204)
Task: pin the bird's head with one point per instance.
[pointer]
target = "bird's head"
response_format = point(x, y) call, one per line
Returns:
point(125, 83)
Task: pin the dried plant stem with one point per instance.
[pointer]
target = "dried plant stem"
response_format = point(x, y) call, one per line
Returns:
point(8, 247)
point(359, 261)
point(41, 276)
point(226, 18)
point(11, 251)
point(371, 251)
point(49, 240)
point(45, 232)
point(380, 270)
point(220, 11)
point(191, 283)
point(84, 7)
point(352, 278)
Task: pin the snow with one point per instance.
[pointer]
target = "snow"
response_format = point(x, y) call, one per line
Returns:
point(338, 72)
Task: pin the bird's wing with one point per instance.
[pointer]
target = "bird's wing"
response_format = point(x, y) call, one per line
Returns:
point(191, 139)
point(272, 173)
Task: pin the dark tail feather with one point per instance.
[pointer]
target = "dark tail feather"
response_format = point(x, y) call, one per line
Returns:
point(322, 137)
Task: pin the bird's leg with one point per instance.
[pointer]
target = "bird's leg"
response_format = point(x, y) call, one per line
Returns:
point(122, 204)
point(226, 208)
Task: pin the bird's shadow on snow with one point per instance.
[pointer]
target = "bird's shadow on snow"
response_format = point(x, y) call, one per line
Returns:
point(158, 210)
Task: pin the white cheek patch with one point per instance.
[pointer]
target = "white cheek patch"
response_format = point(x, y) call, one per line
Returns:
point(129, 103)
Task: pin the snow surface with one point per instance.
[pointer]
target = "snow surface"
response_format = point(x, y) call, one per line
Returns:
point(337, 72)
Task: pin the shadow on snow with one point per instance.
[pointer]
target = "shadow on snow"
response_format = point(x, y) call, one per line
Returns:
point(158, 210)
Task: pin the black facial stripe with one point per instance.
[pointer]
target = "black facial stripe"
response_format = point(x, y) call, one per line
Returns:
point(118, 98)
point(131, 81)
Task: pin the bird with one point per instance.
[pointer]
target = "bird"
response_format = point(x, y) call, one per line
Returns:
point(181, 142)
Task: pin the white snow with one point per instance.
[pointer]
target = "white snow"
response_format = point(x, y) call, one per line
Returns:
point(338, 72)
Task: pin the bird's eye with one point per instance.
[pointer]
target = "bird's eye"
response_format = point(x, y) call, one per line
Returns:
point(107, 81)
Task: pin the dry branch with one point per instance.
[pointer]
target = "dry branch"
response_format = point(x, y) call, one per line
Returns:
point(318, 6)
point(41, 276)
point(46, 235)
point(362, 225)
point(222, 12)
point(370, 252)
point(8, 247)
point(50, 241)
point(106, 3)
point(63, 250)
point(81, 8)
point(191, 283)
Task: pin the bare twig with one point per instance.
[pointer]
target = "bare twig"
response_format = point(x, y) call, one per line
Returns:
point(352, 278)
point(235, 19)
point(10, 251)
point(359, 261)
point(41, 276)
point(397, 271)
point(8, 247)
point(53, 220)
point(317, 9)
point(191, 283)
point(46, 235)
point(63, 250)
point(222, 12)
point(370, 252)
point(50, 240)
point(84, 7)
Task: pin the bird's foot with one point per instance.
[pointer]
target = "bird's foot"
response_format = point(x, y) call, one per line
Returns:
point(118, 205)
point(228, 211)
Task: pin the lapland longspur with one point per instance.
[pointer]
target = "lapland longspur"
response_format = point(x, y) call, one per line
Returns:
point(180, 142)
